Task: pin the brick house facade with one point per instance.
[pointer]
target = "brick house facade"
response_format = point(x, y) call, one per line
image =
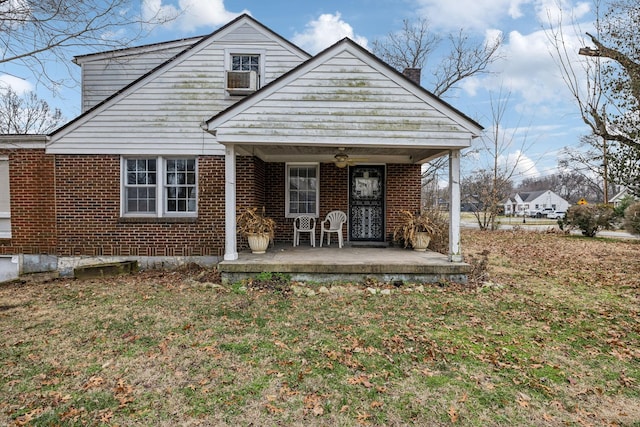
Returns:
point(72, 196)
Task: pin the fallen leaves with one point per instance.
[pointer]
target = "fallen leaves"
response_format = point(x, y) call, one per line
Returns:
point(453, 414)
point(361, 380)
point(313, 404)
point(556, 343)
point(93, 382)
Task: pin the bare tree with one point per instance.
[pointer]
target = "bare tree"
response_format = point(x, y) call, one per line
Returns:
point(409, 47)
point(35, 34)
point(414, 45)
point(26, 115)
point(605, 84)
point(490, 185)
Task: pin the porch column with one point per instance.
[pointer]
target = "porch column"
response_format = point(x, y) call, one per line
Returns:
point(455, 254)
point(230, 244)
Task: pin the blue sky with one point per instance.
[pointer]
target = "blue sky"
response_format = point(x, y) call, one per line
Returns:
point(542, 118)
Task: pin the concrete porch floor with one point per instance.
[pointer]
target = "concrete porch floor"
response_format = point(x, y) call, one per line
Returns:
point(352, 263)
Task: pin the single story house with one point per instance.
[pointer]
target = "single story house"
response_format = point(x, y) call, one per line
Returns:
point(616, 200)
point(174, 136)
point(518, 203)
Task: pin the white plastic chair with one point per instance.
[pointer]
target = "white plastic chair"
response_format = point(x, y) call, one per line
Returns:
point(304, 224)
point(333, 224)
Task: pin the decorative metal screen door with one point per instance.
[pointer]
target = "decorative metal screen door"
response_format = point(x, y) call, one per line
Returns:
point(366, 203)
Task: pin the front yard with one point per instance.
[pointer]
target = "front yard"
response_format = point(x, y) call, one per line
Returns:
point(550, 338)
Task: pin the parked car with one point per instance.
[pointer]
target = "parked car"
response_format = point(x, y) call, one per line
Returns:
point(540, 213)
point(556, 215)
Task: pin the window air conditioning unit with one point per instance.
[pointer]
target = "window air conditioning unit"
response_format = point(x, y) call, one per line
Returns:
point(241, 82)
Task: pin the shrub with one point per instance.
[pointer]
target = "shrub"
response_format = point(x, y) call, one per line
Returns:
point(632, 218)
point(626, 201)
point(588, 218)
point(440, 240)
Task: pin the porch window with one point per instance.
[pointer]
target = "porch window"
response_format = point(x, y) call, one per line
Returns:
point(302, 194)
point(159, 186)
point(5, 206)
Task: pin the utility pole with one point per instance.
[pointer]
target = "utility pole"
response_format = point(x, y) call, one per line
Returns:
point(605, 171)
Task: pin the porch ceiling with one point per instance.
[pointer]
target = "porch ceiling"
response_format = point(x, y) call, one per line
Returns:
point(325, 153)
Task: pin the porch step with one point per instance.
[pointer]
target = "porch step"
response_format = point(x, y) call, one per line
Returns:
point(350, 263)
point(105, 270)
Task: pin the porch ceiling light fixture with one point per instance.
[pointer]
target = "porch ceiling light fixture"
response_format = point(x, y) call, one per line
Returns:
point(341, 160)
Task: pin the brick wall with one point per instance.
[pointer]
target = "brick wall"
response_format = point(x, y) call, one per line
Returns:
point(403, 193)
point(31, 183)
point(275, 187)
point(89, 223)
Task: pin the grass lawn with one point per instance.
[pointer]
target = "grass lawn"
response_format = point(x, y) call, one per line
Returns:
point(551, 338)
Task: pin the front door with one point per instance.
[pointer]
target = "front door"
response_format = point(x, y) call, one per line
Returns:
point(366, 203)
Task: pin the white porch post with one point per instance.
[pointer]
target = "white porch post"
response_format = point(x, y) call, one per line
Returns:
point(455, 254)
point(230, 244)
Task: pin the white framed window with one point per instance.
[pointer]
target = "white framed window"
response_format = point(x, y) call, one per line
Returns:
point(245, 62)
point(159, 186)
point(303, 189)
point(5, 199)
point(244, 70)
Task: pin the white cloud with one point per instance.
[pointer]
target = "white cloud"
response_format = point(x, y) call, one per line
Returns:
point(558, 12)
point(470, 14)
point(18, 85)
point(481, 14)
point(521, 165)
point(189, 14)
point(528, 72)
point(324, 31)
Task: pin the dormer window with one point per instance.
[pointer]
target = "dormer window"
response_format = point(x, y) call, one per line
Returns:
point(243, 72)
point(245, 63)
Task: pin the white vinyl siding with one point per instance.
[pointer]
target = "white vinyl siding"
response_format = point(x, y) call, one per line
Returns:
point(170, 104)
point(103, 75)
point(5, 197)
point(302, 193)
point(348, 99)
point(159, 187)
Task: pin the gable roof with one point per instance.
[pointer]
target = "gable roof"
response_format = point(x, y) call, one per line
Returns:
point(531, 195)
point(135, 50)
point(344, 94)
point(344, 44)
point(199, 42)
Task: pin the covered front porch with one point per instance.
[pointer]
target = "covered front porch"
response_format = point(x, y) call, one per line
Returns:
point(342, 131)
point(352, 263)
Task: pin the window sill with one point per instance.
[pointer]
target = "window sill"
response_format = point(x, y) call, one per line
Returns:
point(156, 220)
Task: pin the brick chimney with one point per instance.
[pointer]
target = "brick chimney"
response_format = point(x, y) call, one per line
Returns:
point(413, 74)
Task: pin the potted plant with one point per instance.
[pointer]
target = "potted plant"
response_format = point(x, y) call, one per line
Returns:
point(258, 228)
point(415, 230)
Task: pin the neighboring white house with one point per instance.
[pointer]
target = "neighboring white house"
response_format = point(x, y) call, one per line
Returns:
point(518, 203)
point(618, 198)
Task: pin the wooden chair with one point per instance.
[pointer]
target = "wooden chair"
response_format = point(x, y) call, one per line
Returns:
point(333, 224)
point(304, 224)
